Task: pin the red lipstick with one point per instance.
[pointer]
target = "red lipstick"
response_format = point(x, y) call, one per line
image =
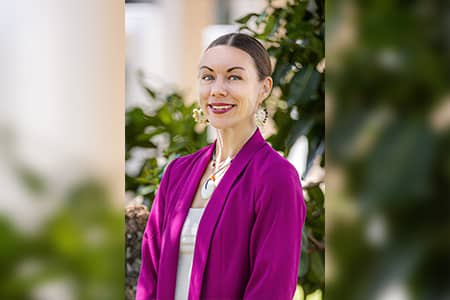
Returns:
point(220, 108)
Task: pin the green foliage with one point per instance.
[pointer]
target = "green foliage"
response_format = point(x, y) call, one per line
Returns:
point(300, 83)
point(172, 121)
point(79, 244)
point(389, 84)
point(294, 36)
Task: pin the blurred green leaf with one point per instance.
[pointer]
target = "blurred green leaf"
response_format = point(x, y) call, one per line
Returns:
point(304, 85)
point(317, 266)
point(34, 182)
point(317, 295)
point(271, 26)
point(246, 18)
point(304, 264)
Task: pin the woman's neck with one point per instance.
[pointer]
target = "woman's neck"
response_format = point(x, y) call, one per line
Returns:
point(230, 141)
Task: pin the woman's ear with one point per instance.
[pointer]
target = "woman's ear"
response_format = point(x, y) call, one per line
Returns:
point(267, 87)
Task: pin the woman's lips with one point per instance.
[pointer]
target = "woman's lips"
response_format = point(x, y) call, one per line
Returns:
point(220, 108)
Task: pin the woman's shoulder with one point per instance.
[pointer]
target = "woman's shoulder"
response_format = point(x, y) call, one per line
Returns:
point(180, 167)
point(276, 180)
point(271, 163)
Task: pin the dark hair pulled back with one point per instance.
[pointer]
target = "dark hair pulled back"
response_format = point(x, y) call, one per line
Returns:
point(251, 46)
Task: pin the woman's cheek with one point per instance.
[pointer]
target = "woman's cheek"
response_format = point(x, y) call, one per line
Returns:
point(203, 98)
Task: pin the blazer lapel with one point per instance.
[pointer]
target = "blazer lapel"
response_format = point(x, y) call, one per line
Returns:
point(171, 244)
point(213, 211)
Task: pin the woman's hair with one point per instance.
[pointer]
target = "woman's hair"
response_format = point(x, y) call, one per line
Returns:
point(250, 45)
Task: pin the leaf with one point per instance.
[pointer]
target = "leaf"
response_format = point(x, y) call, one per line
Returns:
point(317, 295)
point(304, 264)
point(145, 190)
point(143, 140)
point(150, 92)
point(316, 193)
point(284, 123)
point(299, 293)
point(315, 147)
point(300, 127)
point(136, 121)
point(261, 18)
point(281, 69)
point(33, 181)
point(271, 26)
point(130, 183)
point(246, 18)
point(165, 116)
point(303, 85)
point(317, 266)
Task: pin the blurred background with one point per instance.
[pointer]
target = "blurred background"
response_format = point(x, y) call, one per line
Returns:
point(388, 166)
point(62, 88)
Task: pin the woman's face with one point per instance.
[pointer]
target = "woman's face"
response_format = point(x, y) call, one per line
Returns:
point(229, 88)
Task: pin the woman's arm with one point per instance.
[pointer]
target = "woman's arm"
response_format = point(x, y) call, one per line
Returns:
point(276, 237)
point(151, 243)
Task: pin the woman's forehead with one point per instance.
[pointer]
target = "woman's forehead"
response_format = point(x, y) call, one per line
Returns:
point(225, 57)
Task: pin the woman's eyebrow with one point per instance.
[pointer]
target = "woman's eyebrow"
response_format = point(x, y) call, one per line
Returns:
point(233, 68)
point(229, 70)
point(205, 67)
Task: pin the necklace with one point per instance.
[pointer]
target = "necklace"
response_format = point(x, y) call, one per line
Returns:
point(210, 184)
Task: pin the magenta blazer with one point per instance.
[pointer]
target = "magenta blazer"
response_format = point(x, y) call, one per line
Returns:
point(249, 237)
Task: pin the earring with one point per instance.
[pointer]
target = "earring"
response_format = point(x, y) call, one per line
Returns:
point(199, 116)
point(261, 116)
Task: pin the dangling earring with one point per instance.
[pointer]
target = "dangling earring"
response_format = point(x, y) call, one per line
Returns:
point(199, 116)
point(261, 116)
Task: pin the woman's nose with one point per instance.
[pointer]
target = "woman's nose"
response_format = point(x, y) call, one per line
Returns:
point(219, 89)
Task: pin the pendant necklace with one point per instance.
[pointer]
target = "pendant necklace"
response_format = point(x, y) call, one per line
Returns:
point(210, 185)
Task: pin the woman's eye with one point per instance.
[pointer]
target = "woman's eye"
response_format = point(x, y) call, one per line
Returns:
point(207, 77)
point(234, 77)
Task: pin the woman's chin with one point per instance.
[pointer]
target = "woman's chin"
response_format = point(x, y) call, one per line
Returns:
point(220, 124)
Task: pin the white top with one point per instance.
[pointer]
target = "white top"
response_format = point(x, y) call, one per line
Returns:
point(185, 258)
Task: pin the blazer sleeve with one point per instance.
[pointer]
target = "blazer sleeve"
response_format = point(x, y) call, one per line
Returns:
point(151, 243)
point(275, 240)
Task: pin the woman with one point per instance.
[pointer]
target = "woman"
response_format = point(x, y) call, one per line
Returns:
point(227, 220)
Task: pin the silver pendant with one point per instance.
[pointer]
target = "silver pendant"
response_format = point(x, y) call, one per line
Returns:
point(208, 189)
